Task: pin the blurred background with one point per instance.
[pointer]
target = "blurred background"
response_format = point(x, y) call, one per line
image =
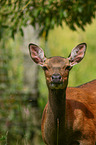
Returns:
point(57, 27)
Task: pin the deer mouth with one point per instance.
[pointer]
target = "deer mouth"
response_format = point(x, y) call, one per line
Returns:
point(56, 85)
point(56, 82)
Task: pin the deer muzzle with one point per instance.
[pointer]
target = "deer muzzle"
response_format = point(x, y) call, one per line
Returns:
point(56, 78)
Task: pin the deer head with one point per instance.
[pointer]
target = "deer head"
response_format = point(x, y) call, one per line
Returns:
point(57, 68)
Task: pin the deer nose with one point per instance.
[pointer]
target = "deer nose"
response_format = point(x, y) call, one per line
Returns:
point(56, 78)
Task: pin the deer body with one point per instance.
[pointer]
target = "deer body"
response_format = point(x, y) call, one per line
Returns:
point(69, 117)
point(78, 118)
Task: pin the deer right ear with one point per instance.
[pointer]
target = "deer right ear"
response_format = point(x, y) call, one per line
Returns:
point(37, 54)
point(77, 54)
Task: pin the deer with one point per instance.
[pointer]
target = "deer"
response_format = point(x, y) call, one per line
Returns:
point(69, 117)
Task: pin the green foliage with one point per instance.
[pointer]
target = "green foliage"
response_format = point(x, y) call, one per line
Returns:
point(10, 81)
point(14, 14)
point(11, 65)
point(15, 68)
point(16, 123)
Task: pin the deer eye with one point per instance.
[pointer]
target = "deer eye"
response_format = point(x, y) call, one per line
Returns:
point(68, 67)
point(45, 68)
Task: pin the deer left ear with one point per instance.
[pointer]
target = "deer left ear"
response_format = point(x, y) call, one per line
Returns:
point(77, 54)
point(37, 54)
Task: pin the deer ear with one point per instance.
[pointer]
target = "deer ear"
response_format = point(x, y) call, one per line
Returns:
point(37, 54)
point(77, 54)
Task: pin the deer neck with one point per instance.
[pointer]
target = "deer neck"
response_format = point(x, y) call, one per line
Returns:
point(57, 102)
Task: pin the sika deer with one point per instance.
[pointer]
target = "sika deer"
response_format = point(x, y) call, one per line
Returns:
point(69, 117)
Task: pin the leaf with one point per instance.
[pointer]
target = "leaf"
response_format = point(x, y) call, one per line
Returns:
point(13, 33)
point(3, 138)
point(65, 14)
point(21, 31)
point(80, 9)
point(4, 26)
point(72, 27)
